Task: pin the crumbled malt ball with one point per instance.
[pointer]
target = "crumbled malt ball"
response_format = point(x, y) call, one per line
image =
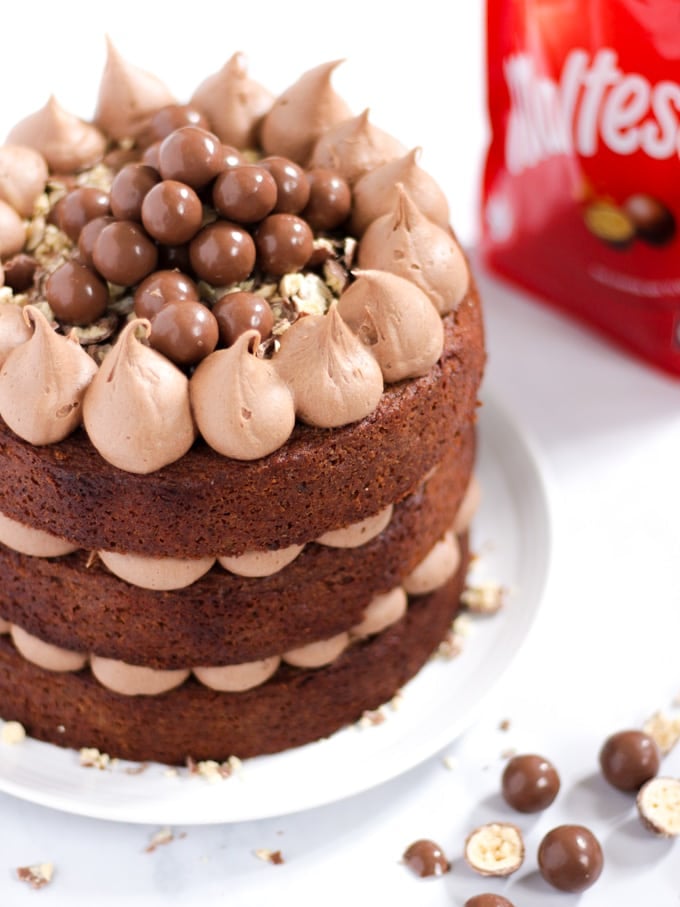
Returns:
point(12, 733)
point(463, 626)
point(371, 718)
point(487, 597)
point(90, 757)
point(496, 849)
point(37, 876)
point(658, 803)
point(164, 836)
point(451, 646)
point(270, 856)
point(664, 730)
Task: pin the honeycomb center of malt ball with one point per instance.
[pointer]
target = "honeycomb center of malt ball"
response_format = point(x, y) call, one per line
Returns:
point(609, 222)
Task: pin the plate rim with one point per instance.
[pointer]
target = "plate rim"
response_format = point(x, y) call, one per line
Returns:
point(174, 811)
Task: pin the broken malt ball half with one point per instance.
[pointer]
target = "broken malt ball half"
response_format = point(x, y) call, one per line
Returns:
point(496, 849)
point(658, 804)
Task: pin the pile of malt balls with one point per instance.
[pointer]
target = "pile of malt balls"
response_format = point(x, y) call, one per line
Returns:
point(151, 233)
point(570, 857)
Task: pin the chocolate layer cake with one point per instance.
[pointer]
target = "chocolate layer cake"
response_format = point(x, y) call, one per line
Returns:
point(240, 351)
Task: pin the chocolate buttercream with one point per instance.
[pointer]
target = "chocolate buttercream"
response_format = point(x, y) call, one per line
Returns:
point(334, 379)
point(375, 192)
point(66, 142)
point(396, 321)
point(43, 383)
point(128, 97)
point(233, 103)
point(23, 174)
point(407, 243)
point(354, 147)
point(137, 411)
point(243, 408)
point(303, 113)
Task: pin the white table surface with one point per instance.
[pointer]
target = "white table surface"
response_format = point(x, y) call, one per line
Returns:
point(603, 653)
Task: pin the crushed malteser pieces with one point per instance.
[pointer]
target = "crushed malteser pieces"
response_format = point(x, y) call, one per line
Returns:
point(451, 646)
point(664, 730)
point(12, 733)
point(508, 753)
point(658, 803)
point(213, 771)
point(170, 772)
point(463, 626)
point(396, 701)
point(496, 849)
point(269, 856)
point(371, 718)
point(164, 836)
point(37, 876)
point(486, 597)
point(450, 762)
point(504, 725)
point(137, 769)
point(90, 757)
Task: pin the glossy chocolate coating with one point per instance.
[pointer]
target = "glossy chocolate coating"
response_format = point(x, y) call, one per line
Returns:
point(240, 312)
point(185, 332)
point(330, 199)
point(88, 237)
point(128, 189)
point(231, 157)
point(291, 183)
point(245, 193)
point(19, 271)
point(174, 257)
point(284, 243)
point(80, 206)
point(124, 254)
point(172, 117)
point(76, 294)
point(190, 155)
point(222, 253)
point(162, 287)
point(151, 156)
point(529, 783)
point(488, 900)
point(425, 858)
point(172, 212)
point(570, 858)
point(628, 759)
point(652, 220)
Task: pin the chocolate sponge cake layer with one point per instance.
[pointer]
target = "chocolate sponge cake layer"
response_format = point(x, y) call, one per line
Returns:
point(222, 618)
point(293, 708)
point(205, 503)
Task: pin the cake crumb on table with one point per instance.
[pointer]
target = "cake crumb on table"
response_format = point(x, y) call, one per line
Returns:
point(37, 876)
point(269, 856)
point(664, 729)
point(214, 771)
point(371, 718)
point(13, 732)
point(504, 725)
point(164, 836)
point(450, 763)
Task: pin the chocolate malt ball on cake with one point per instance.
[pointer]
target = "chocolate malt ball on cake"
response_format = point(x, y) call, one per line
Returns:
point(240, 354)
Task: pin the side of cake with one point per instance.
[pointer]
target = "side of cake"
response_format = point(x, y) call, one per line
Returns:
point(240, 353)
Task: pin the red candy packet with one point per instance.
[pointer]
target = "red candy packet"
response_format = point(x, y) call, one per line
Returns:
point(581, 193)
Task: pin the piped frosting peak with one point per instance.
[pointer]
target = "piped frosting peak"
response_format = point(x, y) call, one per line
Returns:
point(43, 383)
point(23, 174)
point(407, 243)
point(66, 142)
point(137, 411)
point(233, 103)
point(376, 192)
point(396, 321)
point(303, 113)
point(128, 97)
point(334, 378)
point(14, 329)
point(354, 147)
point(243, 408)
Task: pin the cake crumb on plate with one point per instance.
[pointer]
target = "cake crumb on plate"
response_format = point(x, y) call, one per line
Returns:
point(37, 876)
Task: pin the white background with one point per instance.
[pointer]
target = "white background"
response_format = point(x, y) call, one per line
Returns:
point(604, 652)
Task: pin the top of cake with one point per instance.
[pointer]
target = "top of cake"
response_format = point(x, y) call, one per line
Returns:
point(222, 267)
